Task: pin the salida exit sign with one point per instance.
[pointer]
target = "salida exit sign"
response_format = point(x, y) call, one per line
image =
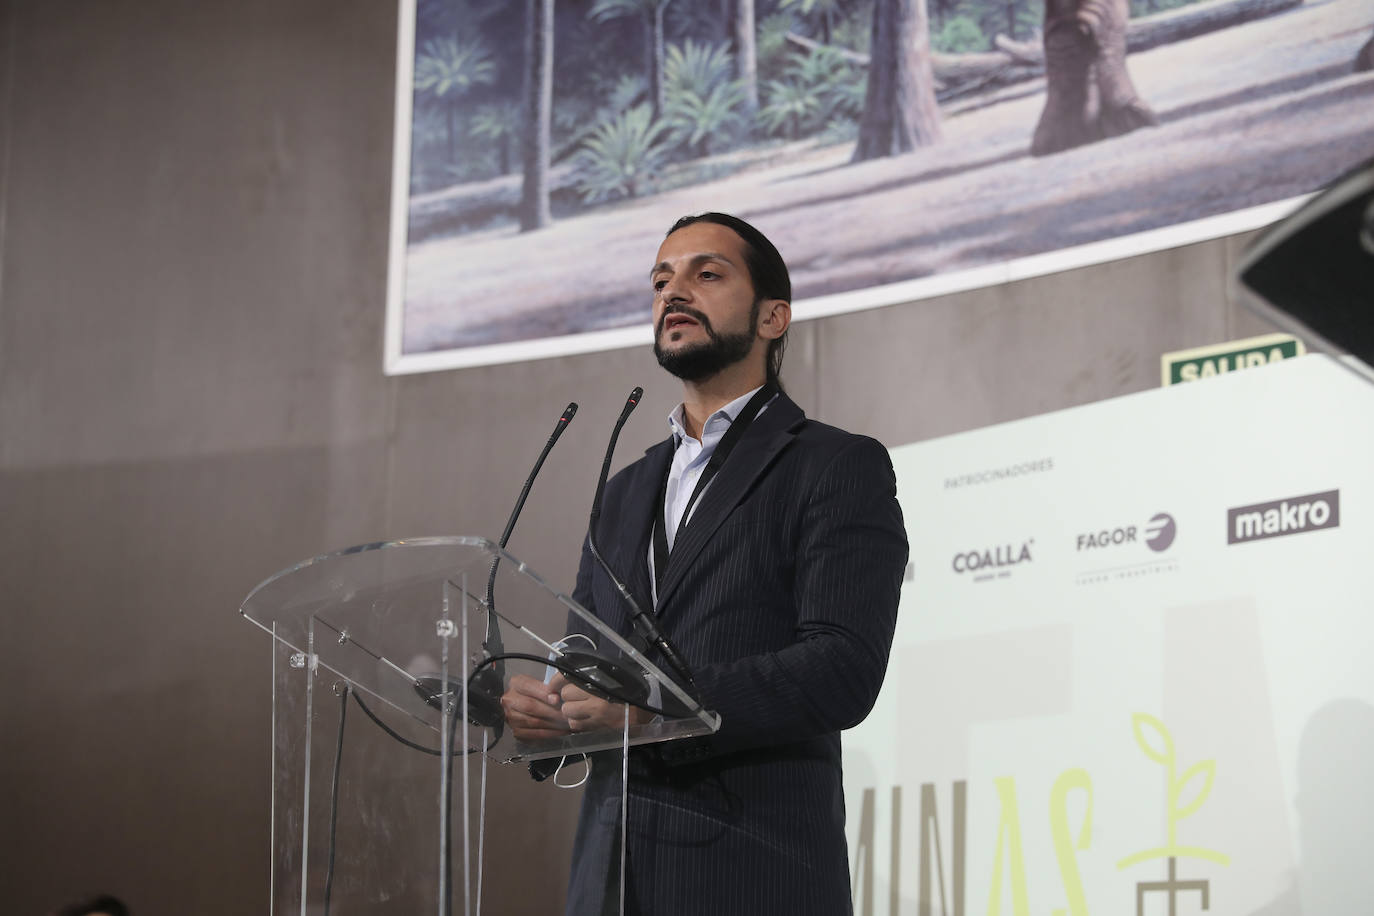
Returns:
point(1218, 359)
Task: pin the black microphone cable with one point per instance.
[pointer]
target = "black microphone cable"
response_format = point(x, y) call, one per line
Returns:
point(487, 689)
point(486, 682)
point(348, 691)
point(598, 676)
point(643, 623)
point(334, 796)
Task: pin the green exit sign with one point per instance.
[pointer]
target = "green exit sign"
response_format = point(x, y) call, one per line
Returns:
point(1219, 359)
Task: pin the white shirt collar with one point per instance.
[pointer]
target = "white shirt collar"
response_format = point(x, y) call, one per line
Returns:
point(728, 413)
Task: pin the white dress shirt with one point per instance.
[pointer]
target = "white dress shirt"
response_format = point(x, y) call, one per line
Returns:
point(689, 461)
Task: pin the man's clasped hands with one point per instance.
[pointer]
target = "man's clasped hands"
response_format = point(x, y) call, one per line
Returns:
point(556, 708)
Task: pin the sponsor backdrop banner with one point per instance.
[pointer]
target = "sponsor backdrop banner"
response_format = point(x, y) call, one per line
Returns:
point(1131, 669)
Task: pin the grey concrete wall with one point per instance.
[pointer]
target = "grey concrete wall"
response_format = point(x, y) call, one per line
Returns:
point(193, 203)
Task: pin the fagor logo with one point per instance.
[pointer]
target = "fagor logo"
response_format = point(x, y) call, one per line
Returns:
point(1116, 553)
point(1159, 534)
point(1293, 515)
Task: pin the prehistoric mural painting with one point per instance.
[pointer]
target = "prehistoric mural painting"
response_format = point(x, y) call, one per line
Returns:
point(893, 149)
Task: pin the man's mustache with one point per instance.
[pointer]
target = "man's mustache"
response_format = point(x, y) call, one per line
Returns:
point(687, 310)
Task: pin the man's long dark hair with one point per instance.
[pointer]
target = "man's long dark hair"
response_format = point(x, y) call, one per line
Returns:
point(767, 273)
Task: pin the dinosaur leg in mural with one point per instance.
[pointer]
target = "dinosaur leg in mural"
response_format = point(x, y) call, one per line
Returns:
point(1089, 94)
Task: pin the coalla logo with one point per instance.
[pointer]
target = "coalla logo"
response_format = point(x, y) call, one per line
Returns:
point(1293, 515)
point(1159, 534)
point(993, 558)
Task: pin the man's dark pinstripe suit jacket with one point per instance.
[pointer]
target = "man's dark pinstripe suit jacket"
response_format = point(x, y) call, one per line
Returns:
point(781, 595)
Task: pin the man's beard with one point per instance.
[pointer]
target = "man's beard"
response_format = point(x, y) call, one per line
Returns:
point(700, 361)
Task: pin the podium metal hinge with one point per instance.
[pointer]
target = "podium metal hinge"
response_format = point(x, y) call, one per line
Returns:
point(300, 660)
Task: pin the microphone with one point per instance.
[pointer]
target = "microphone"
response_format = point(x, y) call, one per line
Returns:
point(630, 404)
point(484, 690)
point(568, 413)
point(492, 644)
point(643, 623)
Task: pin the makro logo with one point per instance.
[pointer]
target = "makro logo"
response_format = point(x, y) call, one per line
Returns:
point(1293, 515)
point(1158, 533)
point(992, 562)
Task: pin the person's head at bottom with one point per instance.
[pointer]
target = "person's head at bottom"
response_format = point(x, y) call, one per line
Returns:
point(102, 905)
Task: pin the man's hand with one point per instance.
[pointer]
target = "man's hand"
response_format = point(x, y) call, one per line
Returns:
point(586, 713)
point(532, 708)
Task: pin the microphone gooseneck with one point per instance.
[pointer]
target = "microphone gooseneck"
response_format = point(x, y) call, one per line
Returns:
point(568, 413)
point(484, 694)
point(485, 686)
point(630, 404)
point(643, 623)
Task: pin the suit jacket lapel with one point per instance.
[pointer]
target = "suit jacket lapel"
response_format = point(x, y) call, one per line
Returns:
point(770, 433)
point(638, 520)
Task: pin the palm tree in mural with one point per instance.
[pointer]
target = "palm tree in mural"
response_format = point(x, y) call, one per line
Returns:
point(817, 89)
point(446, 69)
point(900, 112)
point(621, 156)
point(703, 105)
point(823, 10)
point(789, 108)
point(651, 11)
point(534, 189)
point(498, 125)
point(746, 56)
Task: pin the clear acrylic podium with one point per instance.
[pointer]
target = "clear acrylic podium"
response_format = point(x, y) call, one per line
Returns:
point(388, 661)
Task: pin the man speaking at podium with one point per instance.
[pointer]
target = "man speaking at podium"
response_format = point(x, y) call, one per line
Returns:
point(775, 575)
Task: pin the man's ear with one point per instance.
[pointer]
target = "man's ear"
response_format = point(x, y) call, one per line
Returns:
point(774, 317)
